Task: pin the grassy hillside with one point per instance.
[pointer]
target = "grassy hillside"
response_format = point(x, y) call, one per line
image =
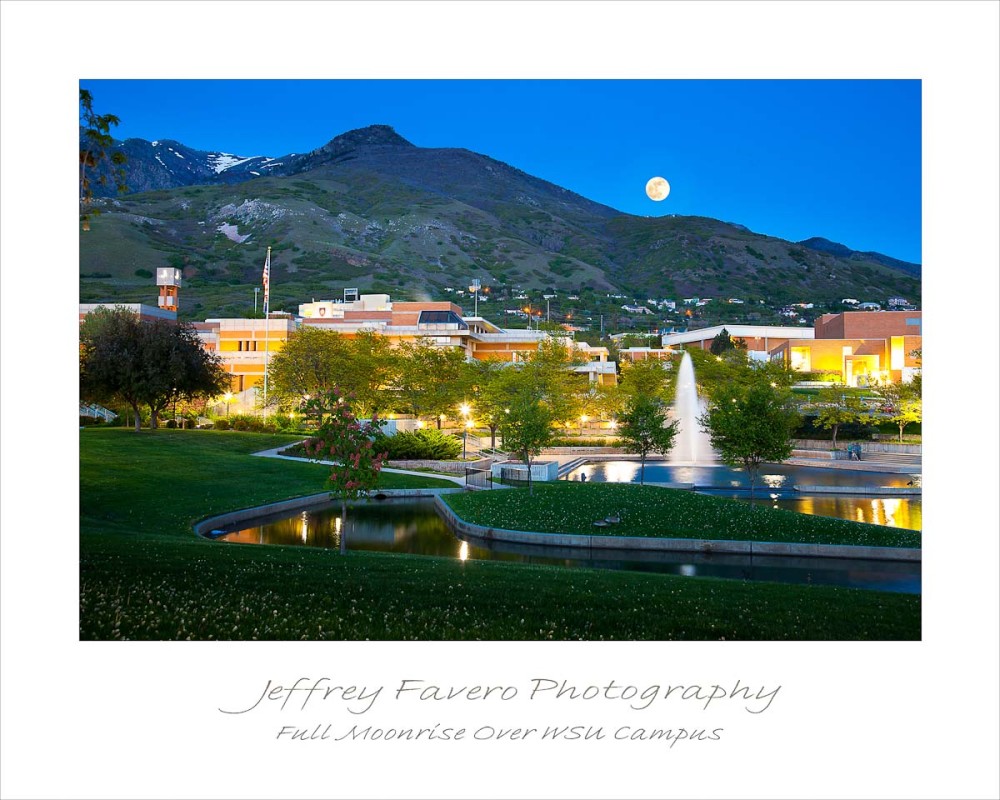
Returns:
point(392, 219)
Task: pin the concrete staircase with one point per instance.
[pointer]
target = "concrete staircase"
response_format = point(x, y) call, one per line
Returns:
point(907, 459)
point(569, 466)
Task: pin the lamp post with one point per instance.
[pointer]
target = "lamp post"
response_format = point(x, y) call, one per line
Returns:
point(256, 291)
point(464, 410)
point(227, 397)
point(474, 288)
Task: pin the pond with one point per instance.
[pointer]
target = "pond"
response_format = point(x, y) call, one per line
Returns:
point(412, 526)
point(775, 486)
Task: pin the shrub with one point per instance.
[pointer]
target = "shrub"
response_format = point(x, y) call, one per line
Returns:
point(580, 441)
point(221, 424)
point(429, 445)
point(248, 422)
point(90, 421)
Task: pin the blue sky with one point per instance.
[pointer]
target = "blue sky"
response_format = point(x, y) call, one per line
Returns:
point(788, 158)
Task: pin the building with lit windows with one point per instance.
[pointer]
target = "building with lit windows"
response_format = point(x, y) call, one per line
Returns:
point(859, 348)
point(245, 345)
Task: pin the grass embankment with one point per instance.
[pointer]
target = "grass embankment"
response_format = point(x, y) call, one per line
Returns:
point(145, 575)
point(653, 511)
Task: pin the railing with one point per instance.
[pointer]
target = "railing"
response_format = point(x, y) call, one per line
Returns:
point(476, 478)
point(514, 476)
point(97, 412)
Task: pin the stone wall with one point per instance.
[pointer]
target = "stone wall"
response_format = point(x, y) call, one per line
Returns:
point(450, 467)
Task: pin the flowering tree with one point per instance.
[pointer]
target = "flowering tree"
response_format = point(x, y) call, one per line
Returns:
point(348, 442)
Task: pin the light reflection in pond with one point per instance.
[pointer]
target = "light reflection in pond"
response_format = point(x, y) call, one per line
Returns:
point(414, 527)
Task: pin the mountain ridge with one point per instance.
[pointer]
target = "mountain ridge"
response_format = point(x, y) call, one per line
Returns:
point(371, 208)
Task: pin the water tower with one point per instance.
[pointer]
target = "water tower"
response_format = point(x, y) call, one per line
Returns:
point(169, 281)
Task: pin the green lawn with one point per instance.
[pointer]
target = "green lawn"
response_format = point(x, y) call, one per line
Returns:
point(145, 575)
point(566, 507)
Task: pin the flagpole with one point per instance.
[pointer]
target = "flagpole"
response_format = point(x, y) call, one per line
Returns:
point(267, 320)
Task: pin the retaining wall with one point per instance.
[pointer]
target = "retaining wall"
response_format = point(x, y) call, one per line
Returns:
point(301, 503)
point(866, 447)
point(598, 542)
point(450, 467)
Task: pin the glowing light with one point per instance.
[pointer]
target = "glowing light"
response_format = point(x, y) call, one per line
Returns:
point(620, 471)
point(464, 408)
point(463, 551)
point(420, 423)
point(227, 396)
point(469, 424)
point(305, 526)
point(584, 418)
point(613, 424)
point(718, 358)
point(688, 570)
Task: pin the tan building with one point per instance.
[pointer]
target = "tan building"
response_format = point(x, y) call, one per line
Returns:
point(245, 344)
point(859, 348)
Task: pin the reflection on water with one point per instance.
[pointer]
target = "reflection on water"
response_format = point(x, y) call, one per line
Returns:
point(413, 526)
point(776, 486)
point(772, 476)
point(896, 512)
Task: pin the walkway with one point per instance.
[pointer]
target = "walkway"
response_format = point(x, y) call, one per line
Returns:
point(274, 453)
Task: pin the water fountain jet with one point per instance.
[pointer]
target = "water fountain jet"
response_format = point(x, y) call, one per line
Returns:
point(692, 444)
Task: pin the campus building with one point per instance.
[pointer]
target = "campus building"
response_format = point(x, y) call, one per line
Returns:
point(761, 339)
point(858, 348)
point(245, 345)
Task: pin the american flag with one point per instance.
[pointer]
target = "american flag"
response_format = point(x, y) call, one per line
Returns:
point(267, 277)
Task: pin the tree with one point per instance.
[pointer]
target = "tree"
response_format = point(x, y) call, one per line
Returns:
point(917, 384)
point(900, 403)
point(550, 372)
point(527, 429)
point(95, 141)
point(721, 343)
point(494, 387)
point(432, 380)
point(643, 429)
point(350, 444)
point(750, 424)
point(145, 363)
point(909, 410)
point(648, 378)
point(311, 363)
point(839, 409)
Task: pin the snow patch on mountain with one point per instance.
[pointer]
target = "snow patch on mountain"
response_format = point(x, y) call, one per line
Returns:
point(220, 162)
point(232, 233)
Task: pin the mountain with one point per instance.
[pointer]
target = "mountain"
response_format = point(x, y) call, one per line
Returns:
point(842, 251)
point(372, 210)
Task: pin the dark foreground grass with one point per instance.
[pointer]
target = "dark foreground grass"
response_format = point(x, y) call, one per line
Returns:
point(144, 575)
point(566, 507)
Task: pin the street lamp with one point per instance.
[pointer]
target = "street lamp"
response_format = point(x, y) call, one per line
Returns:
point(227, 397)
point(256, 291)
point(464, 408)
point(465, 437)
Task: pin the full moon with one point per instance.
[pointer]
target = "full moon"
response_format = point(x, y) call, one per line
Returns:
point(657, 188)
